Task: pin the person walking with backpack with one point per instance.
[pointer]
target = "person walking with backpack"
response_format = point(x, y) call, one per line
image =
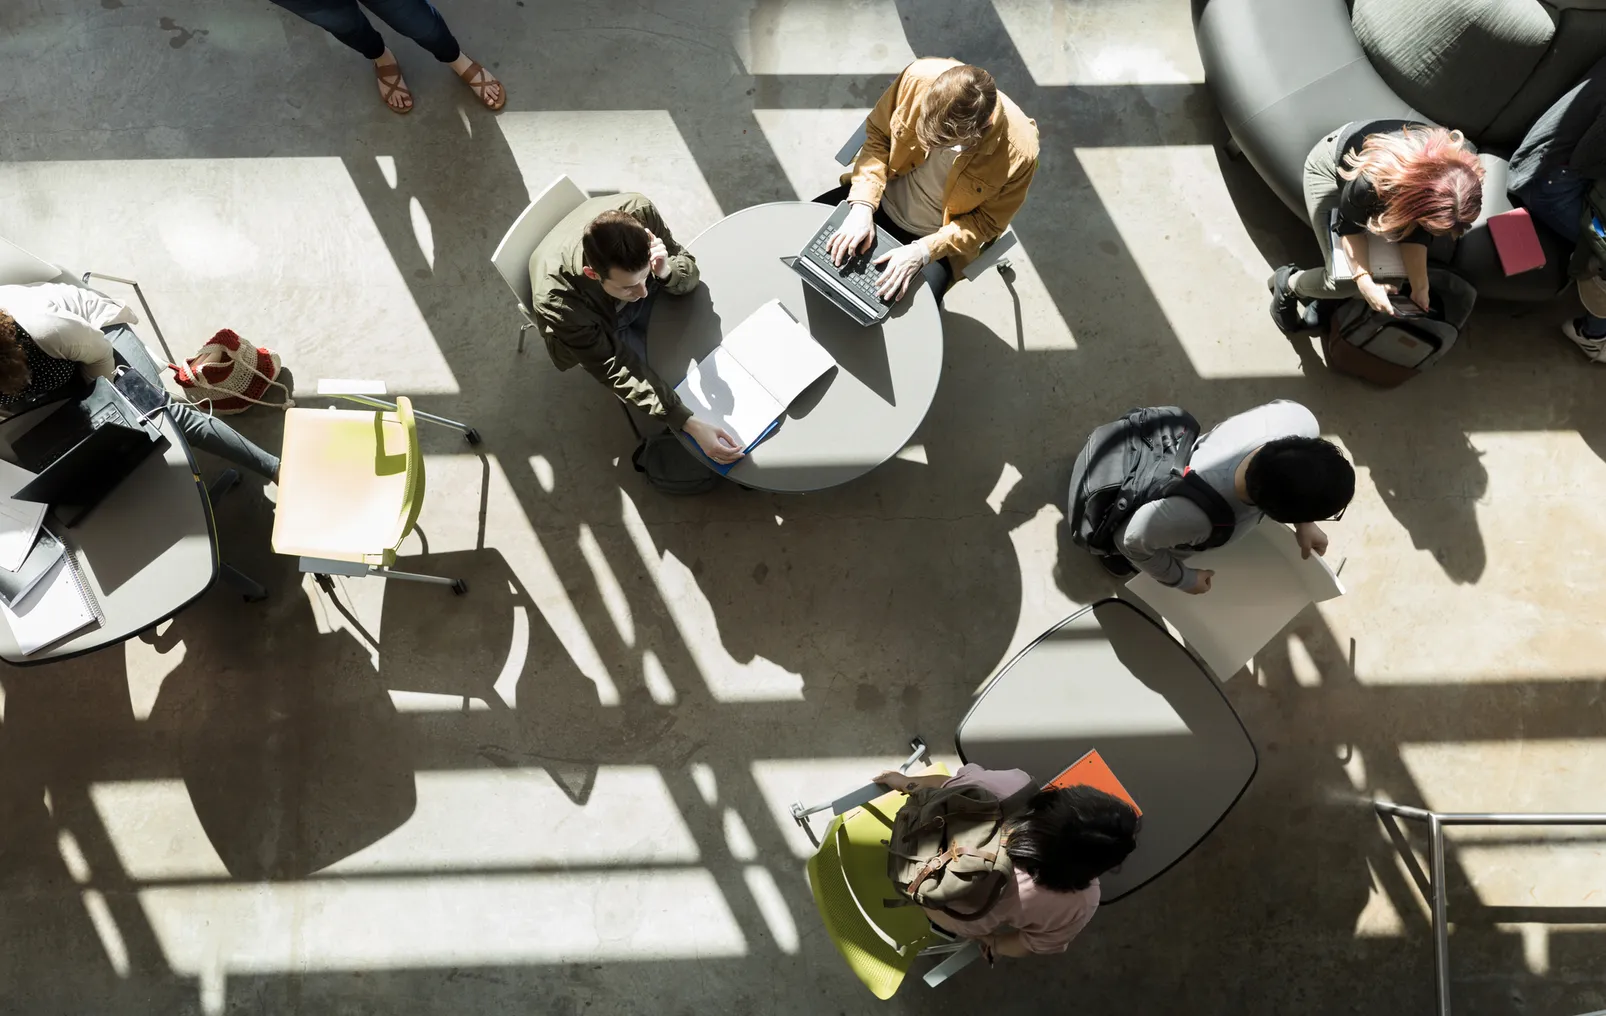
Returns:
point(1055, 845)
point(1147, 491)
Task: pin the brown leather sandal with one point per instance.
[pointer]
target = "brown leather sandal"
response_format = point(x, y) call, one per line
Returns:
point(392, 85)
point(480, 79)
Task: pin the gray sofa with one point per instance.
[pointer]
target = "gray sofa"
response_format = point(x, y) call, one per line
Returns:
point(1286, 72)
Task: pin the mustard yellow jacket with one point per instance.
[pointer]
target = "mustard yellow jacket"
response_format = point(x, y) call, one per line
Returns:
point(987, 183)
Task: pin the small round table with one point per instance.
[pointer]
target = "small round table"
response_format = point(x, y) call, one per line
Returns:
point(855, 417)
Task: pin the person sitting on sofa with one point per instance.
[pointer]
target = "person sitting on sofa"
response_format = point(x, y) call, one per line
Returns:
point(1400, 181)
point(946, 163)
point(1559, 160)
point(47, 351)
point(1059, 843)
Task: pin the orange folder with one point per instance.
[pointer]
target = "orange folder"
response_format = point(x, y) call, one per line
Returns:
point(1090, 771)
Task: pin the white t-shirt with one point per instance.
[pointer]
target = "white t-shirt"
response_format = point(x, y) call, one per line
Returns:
point(58, 317)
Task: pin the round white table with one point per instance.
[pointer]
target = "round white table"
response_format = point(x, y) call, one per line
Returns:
point(856, 416)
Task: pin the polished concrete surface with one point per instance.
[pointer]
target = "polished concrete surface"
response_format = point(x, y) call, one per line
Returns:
point(565, 793)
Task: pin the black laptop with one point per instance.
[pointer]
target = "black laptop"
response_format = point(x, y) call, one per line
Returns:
point(851, 286)
point(84, 448)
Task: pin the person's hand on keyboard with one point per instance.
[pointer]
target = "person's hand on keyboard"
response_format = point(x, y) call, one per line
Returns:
point(902, 265)
point(856, 234)
point(714, 441)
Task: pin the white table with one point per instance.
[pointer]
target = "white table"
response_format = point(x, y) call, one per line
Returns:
point(853, 419)
point(1109, 677)
point(146, 552)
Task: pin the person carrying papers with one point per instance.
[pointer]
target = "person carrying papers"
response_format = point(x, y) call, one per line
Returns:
point(746, 384)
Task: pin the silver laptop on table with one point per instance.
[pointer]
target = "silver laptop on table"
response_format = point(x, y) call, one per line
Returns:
point(851, 286)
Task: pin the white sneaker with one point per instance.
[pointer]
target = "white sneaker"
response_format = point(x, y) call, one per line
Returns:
point(1593, 348)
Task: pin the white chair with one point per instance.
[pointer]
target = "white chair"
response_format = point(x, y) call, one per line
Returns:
point(992, 254)
point(512, 255)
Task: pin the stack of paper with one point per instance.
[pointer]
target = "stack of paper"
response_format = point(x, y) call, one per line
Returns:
point(19, 520)
point(748, 381)
point(56, 607)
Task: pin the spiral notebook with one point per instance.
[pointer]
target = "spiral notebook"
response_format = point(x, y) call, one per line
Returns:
point(59, 605)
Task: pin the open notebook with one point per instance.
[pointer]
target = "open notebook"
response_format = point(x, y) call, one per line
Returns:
point(57, 606)
point(752, 376)
point(1382, 256)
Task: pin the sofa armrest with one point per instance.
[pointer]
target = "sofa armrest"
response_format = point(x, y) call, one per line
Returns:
point(1284, 74)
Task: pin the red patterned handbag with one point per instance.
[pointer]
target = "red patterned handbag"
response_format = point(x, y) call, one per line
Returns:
point(229, 375)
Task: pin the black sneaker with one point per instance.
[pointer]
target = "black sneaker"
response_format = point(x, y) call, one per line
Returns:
point(1285, 310)
point(1116, 565)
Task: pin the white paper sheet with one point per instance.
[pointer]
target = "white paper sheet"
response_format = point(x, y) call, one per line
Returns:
point(1261, 584)
point(19, 520)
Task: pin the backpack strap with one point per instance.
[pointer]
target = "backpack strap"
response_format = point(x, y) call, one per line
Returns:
point(1223, 520)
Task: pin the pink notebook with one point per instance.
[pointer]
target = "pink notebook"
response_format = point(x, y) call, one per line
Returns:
point(1516, 241)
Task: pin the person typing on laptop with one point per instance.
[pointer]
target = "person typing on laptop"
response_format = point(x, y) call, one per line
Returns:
point(594, 279)
point(46, 359)
point(946, 163)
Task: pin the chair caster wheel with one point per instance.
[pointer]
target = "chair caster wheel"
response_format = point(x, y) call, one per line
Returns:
point(1006, 269)
point(459, 587)
point(473, 435)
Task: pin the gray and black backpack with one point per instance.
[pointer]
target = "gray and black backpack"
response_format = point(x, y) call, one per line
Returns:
point(1129, 462)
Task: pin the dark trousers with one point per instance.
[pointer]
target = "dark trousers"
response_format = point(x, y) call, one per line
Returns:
point(939, 274)
point(343, 19)
point(1557, 199)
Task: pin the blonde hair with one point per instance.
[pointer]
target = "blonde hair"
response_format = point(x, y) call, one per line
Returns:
point(958, 107)
point(1424, 176)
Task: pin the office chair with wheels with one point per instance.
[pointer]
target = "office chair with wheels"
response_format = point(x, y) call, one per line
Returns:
point(351, 485)
point(512, 255)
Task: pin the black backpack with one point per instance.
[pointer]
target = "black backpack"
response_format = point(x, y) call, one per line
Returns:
point(1129, 462)
point(670, 467)
point(1390, 349)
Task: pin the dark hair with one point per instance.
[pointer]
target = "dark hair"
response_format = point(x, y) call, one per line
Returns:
point(1068, 837)
point(14, 374)
point(615, 239)
point(1299, 479)
point(958, 106)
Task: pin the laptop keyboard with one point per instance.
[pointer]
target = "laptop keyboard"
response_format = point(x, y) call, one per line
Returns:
point(857, 273)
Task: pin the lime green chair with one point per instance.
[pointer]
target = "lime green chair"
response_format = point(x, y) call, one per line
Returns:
point(351, 485)
point(849, 880)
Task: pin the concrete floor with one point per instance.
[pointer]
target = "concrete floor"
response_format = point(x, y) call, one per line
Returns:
point(566, 792)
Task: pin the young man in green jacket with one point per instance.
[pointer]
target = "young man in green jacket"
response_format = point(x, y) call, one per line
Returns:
point(594, 279)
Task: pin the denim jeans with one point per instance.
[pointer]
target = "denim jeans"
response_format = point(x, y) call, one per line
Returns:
point(416, 19)
point(201, 429)
point(1557, 200)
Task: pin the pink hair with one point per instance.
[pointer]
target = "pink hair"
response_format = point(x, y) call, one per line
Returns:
point(1425, 177)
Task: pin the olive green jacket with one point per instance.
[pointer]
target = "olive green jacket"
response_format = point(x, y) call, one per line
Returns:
point(577, 317)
